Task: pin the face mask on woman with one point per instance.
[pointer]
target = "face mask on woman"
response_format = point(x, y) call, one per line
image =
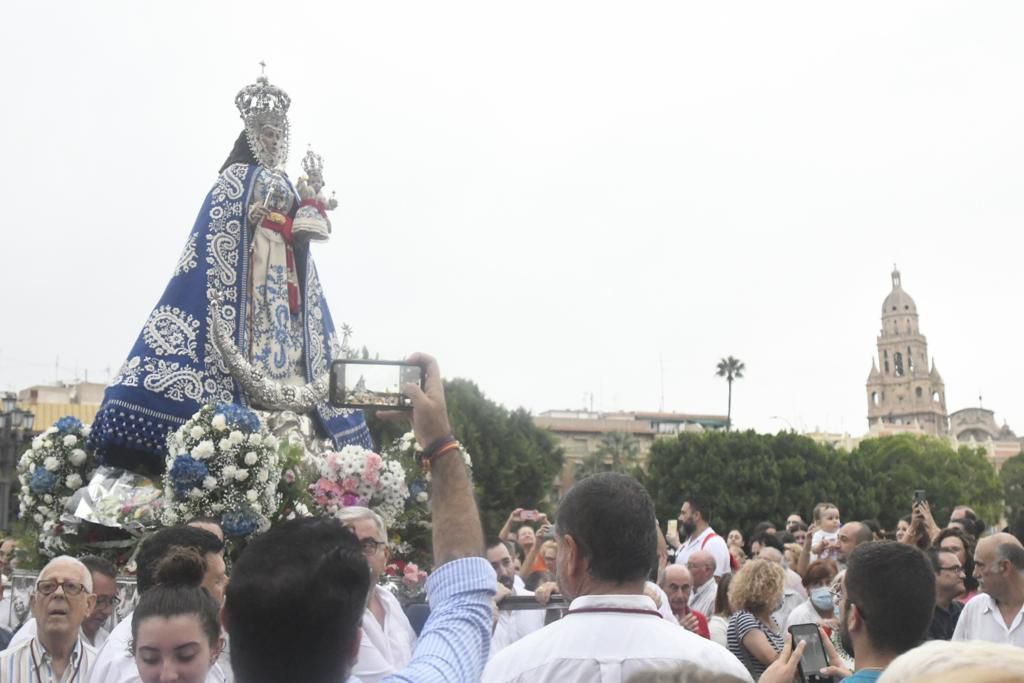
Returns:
point(821, 598)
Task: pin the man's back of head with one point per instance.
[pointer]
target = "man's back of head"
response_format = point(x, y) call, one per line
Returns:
point(610, 518)
point(155, 547)
point(295, 602)
point(893, 587)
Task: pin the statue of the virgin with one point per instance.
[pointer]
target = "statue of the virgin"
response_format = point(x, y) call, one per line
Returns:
point(243, 319)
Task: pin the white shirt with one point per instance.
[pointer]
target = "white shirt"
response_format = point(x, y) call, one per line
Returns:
point(702, 599)
point(790, 601)
point(716, 546)
point(30, 628)
point(607, 647)
point(981, 620)
point(115, 663)
point(384, 650)
point(804, 613)
point(29, 662)
point(718, 627)
point(514, 625)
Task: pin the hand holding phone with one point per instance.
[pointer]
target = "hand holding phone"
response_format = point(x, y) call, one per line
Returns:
point(373, 383)
point(814, 658)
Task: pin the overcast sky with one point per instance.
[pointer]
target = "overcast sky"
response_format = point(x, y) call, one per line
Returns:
point(557, 199)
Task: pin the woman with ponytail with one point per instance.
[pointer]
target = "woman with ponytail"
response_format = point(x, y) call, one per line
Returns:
point(175, 628)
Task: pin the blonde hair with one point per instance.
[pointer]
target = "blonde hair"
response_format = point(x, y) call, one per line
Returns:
point(757, 586)
point(955, 660)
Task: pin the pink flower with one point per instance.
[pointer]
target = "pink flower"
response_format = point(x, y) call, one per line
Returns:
point(325, 492)
point(289, 476)
point(411, 568)
point(350, 499)
point(350, 484)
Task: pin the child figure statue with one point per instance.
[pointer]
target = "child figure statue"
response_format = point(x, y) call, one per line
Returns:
point(311, 219)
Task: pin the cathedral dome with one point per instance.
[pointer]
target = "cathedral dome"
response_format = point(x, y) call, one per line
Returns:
point(898, 301)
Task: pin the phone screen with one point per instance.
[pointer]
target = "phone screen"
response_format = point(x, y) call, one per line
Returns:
point(673, 527)
point(814, 658)
point(372, 384)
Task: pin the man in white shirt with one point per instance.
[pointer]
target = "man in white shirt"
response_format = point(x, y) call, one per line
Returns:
point(996, 614)
point(510, 626)
point(114, 662)
point(705, 589)
point(388, 638)
point(606, 541)
point(693, 522)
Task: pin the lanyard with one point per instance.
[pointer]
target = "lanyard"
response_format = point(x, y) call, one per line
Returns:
point(35, 664)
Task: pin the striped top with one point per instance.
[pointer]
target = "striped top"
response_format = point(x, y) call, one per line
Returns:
point(741, 623)
point(28, 662)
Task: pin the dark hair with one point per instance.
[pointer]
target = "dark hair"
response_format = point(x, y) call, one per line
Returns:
point(763, 527)
point(769, 540)
point(100, 565)
point(534, 580)
point(893, 586)
point(799, 526)
point(698, 504)
point(876, 528)
point(492, 542)
point(610, 516)
point(156, 546)
point(240, 153)
point(970, 583)
point(818, 571)
point(178, 591)
point(974, 525)
point(299, 588)
point(933, 556)
point(722, 605)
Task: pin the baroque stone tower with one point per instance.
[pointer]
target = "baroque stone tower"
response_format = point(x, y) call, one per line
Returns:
point(901, 388)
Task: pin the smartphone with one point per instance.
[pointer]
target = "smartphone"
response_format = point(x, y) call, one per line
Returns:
point(530, 515)
point(672, 527)
point(550, 533)
point(372, 383)
point(814, 658)
point(920, 497)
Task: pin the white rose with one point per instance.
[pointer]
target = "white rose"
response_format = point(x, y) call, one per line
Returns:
point(86, 430)
point(251, 496)
point(47, 499)
point(219, 423)
point(242, 474)
point(51, 430)
point(196, 493)
point(77, 457)
point(229, 472)
point(38, 518)
point(251, 458)
point(237, 437)
point(271, 442)
point(255, 439)
point(257, 507)
point(47, 443)
point(421, 497)
point(37, 443)
point(73, 481)
point(224, 445)
point(203, 450)
point(262, 476)
point(70, 440)
point(52, 464)
point(209, 483)
point(197, 432)
point(43, 510)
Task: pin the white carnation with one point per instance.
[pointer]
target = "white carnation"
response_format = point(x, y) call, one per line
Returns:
point(47, 499)
point(251, 496)
point(229, 472)
point(51, 463)
point(224, 445)
point(271, 442)
point(73, 481)
point(38, 518)
point(219, 423)
point(70, 440)
point(242, 474)
point(421, 497)
point(86, 430)
point(236, 437)
point(262, 476)
point(51, 430)
point(37, 443)
point(197, 432)
point(77, 457)
point(203, 450)
point(196, 493)
point(251, 458)
point(210, 483)
point(255, 439)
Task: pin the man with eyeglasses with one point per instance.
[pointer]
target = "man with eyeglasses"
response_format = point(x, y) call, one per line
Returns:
point(104, 587)
point(58, 653)
point(949, 583)
point(996, 614)
point(388, 638)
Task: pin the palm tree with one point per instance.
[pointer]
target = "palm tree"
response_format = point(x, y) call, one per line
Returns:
point(617, 452)
point(730, 368)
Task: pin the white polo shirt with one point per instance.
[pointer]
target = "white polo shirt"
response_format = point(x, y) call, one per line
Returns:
point(607, 639)
point(981, 620)
point(382, 651)
point(713, 543)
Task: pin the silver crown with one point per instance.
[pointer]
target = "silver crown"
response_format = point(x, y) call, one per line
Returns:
point(313, 163)
point(261, 104)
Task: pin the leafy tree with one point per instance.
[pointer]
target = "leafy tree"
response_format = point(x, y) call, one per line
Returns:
point(616, 452)
point(1012, 476)
point(730, 368)
point(514, 461)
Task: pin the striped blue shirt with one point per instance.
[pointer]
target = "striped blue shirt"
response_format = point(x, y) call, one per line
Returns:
point(456, 639)
point(29, 662)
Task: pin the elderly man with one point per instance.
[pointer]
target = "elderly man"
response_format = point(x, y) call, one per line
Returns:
point(510, 626)
point(104, 587)
point(611, 630)
point(702, 571)
point(677, 584)
point(388, 638)
point(996, 614)
point(60, 603)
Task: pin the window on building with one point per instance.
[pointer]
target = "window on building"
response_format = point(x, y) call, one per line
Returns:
point(885, 361)
point(897, 361)
point(919, 392)
point(874, 397)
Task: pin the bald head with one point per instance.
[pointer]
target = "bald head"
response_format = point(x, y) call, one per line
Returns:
point(678, 585)
point(702, 567)
point(851, 535)
point(770, 554)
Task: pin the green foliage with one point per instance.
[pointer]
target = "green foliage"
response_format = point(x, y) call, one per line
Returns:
point(1012, 476)
point(748, 477)
point(617, 452)
point(514, 461)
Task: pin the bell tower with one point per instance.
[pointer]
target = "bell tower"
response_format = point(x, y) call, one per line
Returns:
point(901, 388)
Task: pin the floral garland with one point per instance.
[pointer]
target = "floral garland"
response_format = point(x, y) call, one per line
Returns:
point(222, 463)
point(358, 476)
point(50, 472)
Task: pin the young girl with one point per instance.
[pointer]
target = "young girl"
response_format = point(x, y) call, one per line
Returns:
point(825, 542)
point(175, 628)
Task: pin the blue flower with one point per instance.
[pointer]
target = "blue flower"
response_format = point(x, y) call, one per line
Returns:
point(239, 417)
point(43, 481)
point(186, 474)
point(239, 523)
point(68, 424)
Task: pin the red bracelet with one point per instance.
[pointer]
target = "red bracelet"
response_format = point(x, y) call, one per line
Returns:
point(437, 449)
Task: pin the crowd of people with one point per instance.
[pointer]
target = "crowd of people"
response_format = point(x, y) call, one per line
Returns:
point(601, 593)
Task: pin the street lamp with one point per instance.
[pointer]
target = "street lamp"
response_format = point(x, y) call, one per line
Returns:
point(15, 429)
point(10, 400)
